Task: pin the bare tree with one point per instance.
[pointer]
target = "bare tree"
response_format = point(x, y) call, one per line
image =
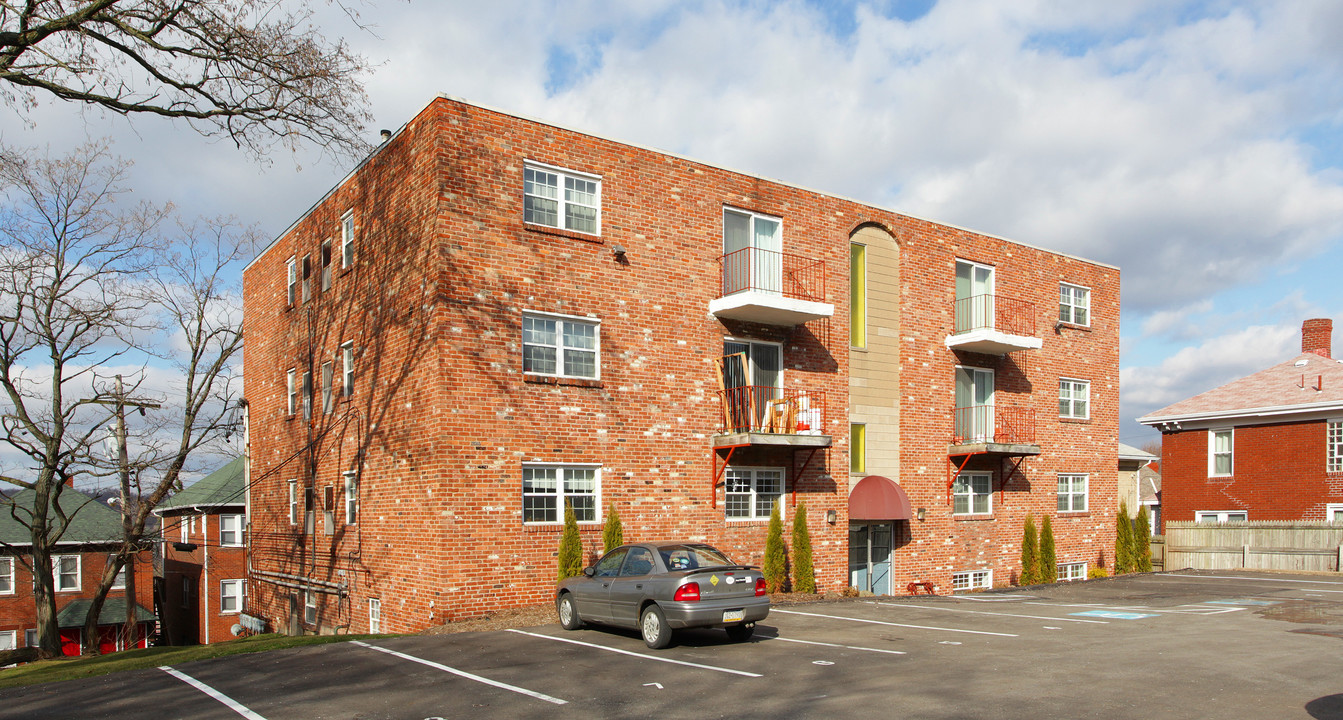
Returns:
point(86, 286)
point(254, 70)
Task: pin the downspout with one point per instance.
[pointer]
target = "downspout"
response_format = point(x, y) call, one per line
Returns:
point(205, 591)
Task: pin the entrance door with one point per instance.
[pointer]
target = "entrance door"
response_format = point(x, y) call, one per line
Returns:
point(974, 404)
point(870, 558)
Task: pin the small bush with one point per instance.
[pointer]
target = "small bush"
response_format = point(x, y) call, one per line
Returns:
point(1049, 561)
point(1097, 572)
point(571, 546)
point(775, 567)
point(1142, 542)
point(1123, 541)
point(613, 533)
point(1030, 553)
point(850, 592)
point(804, 572)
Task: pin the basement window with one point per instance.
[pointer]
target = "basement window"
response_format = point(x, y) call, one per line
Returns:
point(972, 580)
point(1069, 572)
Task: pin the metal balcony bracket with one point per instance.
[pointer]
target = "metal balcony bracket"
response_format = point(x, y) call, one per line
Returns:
point(1009, 472)
point(798, 477)
point(718, 471)
point(951, 477)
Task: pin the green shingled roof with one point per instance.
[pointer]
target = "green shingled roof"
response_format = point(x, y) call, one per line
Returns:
point(113, 612)
point(220, 488)
point(91, 521)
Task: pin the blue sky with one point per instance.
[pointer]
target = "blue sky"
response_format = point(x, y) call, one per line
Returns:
point(1196, 145)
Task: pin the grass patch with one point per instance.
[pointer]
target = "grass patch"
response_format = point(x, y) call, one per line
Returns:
point(73, 668)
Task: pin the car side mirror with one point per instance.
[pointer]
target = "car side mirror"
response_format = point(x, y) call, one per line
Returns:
point(589, 571)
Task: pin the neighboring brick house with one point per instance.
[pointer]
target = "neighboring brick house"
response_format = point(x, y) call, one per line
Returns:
point(204, 579)
point(91, 538)
point(492, 315)
point(1268, 446)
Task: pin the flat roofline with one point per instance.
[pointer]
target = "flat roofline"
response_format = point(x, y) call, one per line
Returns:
point(648, 148)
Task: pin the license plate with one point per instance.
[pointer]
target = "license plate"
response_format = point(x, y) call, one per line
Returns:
point(734, 615)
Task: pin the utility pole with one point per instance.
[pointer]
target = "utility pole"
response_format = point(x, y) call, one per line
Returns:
point(130, 630)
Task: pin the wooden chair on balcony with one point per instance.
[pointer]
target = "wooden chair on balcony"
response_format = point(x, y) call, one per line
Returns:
point(781, 416)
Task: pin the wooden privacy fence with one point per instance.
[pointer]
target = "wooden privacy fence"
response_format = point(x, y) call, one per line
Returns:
point(1254, 545)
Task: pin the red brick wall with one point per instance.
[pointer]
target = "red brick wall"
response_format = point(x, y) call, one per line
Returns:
point(442, 418)
point(196, 617)
point(1278, 473)
point(18, 611)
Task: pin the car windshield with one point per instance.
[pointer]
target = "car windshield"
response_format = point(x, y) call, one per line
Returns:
point(691, 557)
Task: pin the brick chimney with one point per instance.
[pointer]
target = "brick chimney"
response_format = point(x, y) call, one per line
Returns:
point(1316, 336)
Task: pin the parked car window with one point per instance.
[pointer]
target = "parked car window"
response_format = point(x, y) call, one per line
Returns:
point(609, 565)
point(689, 557)
point(638, 562)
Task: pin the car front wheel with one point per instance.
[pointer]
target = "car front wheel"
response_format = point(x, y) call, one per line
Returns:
point(740, 633)
point(569, 619)
point(653, 625)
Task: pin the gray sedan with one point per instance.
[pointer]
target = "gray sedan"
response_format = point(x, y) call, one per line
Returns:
point(662, 586)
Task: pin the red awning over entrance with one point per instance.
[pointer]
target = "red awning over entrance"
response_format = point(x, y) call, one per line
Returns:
point(878, 498)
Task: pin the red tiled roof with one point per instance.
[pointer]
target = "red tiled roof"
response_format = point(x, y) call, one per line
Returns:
point(1306, 382)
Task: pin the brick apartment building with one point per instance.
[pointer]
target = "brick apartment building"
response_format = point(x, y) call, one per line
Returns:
point(81, 556)
point(204, 572)
point(1268, 446)
point(493, 315)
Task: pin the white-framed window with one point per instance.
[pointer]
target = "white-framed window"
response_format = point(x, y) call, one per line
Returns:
point(972, 494)
point(1074, 304)
point(328, 379)
point(293, 502)
point(545, 488)
point(9, 639)
point(561, 346)
point(230, 596)
point(118, 582)
point(1221, 516)
point(306, 270)
point(310, 607)
point(230, 530)
point(182, 528)
point(1074, 399)
point(1221, 444)
point(1072, 492)
point(291, 391)
point(66, 570)
point(324, 258)
point(291, 283)
point(347, 239)
point(1333, 512)
point(186, 592)
point(972, 580)
point(749, 493)
point(307, 395)
point(30, 637)
point(351, 498)
point(374, 615)
point(1334, 446)
point(1069, 572)
point(347, 369)
point(563, 199)
point(6, 576)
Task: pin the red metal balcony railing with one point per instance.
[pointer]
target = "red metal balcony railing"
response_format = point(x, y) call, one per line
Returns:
point(762, 409)
point(791, 276)
point(995, 312)
point(999, 424)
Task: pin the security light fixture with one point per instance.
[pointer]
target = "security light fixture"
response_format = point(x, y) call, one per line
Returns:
point(618, 250)
point(921, 514)
point(831, 516)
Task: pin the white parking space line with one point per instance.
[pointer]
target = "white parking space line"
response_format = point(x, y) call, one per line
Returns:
point(826, 644)
point(903, 625)
point(987, 612)
point(1257, 579)
point(1177, 610)
point(638, 655)
point(228, 702)
point(463, 674)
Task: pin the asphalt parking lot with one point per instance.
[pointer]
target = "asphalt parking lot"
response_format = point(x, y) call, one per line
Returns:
point(1181, 644)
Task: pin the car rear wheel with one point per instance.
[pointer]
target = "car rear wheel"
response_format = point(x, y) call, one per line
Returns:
point(740, 633)
point(653, 625)
point(569, 619)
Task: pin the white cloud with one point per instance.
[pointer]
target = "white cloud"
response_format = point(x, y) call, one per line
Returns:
point(1211, 364)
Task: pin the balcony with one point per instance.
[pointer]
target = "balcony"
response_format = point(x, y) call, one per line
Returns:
point(760, 415)
point(996, 429)
point(771, 287)
point(994, 325)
